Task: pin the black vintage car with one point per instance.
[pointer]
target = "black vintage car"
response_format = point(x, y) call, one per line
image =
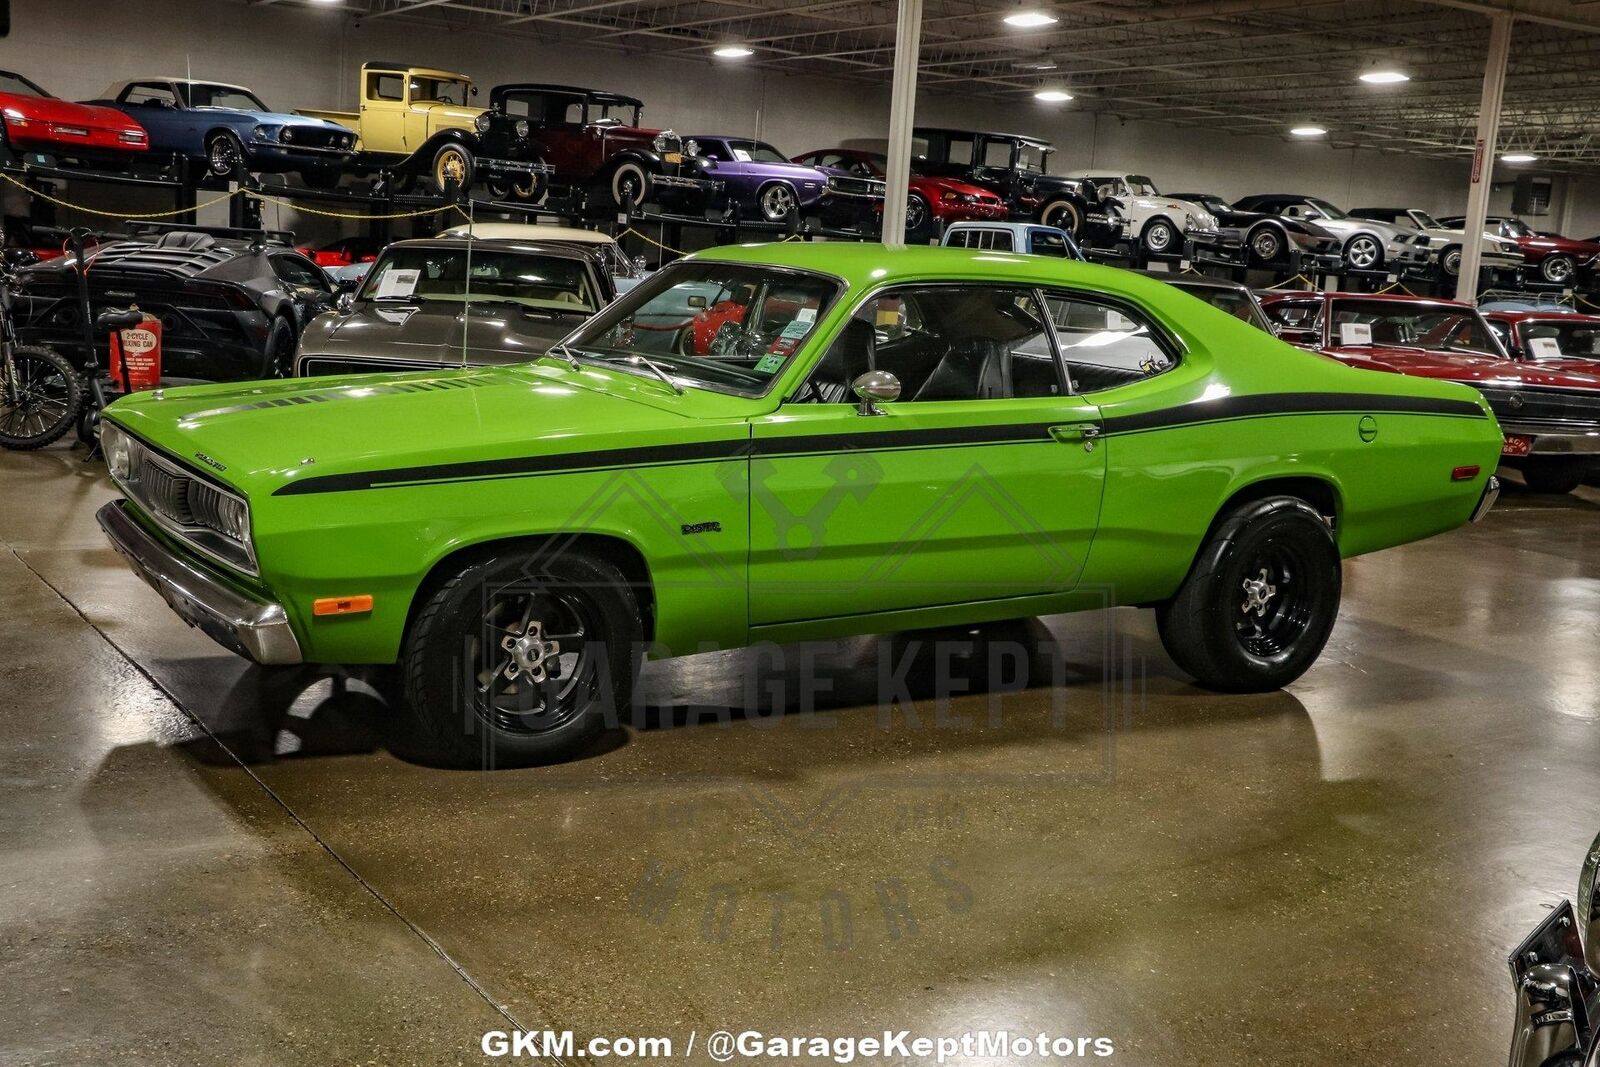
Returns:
point(232, 304)
point(1272, 240)
point(1012, 166)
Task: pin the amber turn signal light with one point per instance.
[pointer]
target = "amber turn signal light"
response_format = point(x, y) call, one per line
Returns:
point(341, 605)
point(1460, 474)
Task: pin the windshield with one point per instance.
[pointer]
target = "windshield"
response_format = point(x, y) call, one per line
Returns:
point(1142, 186)
point(1030, 157)
point(1425, 220)
point(756, 152)
point(1327, 209)
point(1517, 228)
point(440, 90)
point(722, 326)
point(1235, 302)
point(17, 85)
point(440, 275)
point(1560, 339)
point(202, 95)
point(1397, 324)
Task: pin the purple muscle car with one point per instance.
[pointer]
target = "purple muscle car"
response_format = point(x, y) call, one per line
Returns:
point(756, 175)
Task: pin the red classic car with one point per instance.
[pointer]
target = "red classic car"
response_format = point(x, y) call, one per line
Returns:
point(1559, 260)
point(1549, 409)
point(1549, 335)
point(945, 199)
point(31, 120)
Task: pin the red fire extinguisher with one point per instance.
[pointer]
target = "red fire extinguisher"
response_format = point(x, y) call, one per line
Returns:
point(136, 355)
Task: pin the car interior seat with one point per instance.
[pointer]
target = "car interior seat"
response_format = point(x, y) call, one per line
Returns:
point(850, 356)
point(974, 368)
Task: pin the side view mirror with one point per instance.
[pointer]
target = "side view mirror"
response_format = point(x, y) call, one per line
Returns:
point(1306, 338)
point(1588, 903)
point(873, 388)
point(640, 263)
point(345, 302)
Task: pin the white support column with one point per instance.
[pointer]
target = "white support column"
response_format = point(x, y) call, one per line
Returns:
point(902, 117)
point(1483, 154)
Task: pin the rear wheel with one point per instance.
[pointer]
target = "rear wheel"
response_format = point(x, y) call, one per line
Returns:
point(520, 657)
point(1555, 474)
point(1363, 252)
point(452, 165)
point(1450, 261)
point(1266, 245)
point(1260, 600)
point(41, 397)
point(917, 214)
point(277, 358)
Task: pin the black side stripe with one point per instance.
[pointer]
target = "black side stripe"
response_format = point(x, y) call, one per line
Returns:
point(1220, 409)
point(1247, 407)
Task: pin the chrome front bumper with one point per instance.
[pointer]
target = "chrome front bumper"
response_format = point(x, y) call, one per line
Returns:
point(256, 629)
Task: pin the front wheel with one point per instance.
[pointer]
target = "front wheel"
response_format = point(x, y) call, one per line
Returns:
point(776, 201)
point(277, 358)
point(1266, 245)
point(1557, 270)
point(1450, 262)
point(629, 184)
point(41, 397)
point(225, 156)
point(1160, 238)
point(1260, 600)
point(1363, 253)
point(520, 657)
point(452, 166)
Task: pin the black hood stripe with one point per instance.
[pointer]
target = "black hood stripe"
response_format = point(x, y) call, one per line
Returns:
point(886, 439)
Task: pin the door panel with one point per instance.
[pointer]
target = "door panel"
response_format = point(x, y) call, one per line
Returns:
point(931, 503)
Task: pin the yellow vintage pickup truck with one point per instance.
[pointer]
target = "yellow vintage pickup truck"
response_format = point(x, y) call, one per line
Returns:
point(418, 122)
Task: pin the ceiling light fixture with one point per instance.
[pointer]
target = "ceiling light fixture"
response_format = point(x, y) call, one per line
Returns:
point(1385, 77)
point(1519, 157)
point(1308, 131)
point(1052, 96)
point(1029, 20)
point(733, 51)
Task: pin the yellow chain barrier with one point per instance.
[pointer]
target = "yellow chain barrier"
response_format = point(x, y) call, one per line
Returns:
point(113, 214)
point(1290, 281)
point(359, 216)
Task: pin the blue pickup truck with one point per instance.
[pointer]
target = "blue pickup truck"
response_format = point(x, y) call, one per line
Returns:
point(1029, 237)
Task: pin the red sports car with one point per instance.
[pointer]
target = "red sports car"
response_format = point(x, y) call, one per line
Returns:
point(31, 120)
point(1559, 260)
point(945, 199)
point(1549, 409)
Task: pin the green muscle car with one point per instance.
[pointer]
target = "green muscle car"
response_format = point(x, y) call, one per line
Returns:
point(788, 442)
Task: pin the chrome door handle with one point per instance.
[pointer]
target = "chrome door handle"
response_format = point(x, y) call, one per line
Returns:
point(1087, 432)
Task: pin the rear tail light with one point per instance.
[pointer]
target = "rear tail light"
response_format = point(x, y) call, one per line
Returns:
point(238, 299)
point(1464, 474)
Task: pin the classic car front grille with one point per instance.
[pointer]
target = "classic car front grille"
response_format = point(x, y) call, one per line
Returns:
point(1544, 406)
point(850, 186)
point(185, 504)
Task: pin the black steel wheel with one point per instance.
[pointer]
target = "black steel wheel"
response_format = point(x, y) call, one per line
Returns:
point(521, 656)
point(1063, 215)
point(1260, 600)
point(629, 184)
point(41, 397)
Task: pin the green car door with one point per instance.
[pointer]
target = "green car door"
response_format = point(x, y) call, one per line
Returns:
point(982, 481)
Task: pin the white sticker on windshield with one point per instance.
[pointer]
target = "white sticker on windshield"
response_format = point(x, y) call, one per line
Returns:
point(806, 315)
point(401, 283)
point(1545, 348)
point(1115, 321)
point(1355, 334)
point(741, 155)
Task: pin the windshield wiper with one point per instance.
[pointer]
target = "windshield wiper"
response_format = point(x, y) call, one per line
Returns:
point(656, 369)
point(561, 351)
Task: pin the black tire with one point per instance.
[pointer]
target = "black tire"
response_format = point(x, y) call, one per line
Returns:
point(919, 216)
point(524, 188)
point(1557, 475)
point(628, 187)
point(1557, 270)
point(48, 401)
point(1063, 215)
point(1450, 261)
point(460, 707)
point(277, 358)
point(1266, 245)
point(1237, 636)
point(225, 156)
point(777, 201)
point(1363, 252)
point(1160, 238)
point(452, 163)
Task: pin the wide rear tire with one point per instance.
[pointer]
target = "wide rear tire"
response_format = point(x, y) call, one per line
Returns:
point(1260, 600)
point(522, 656)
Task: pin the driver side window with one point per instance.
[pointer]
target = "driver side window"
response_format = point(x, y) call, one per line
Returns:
point(956, 342)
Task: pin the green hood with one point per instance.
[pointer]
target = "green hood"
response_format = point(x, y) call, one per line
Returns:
point(259, 435)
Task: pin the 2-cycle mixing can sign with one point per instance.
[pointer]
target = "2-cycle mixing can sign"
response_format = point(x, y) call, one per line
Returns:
point(136, 355)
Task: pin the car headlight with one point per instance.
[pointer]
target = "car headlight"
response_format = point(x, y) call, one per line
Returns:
point(114, 445)
point(521, 128)
point(666, 141)
point(286, 135)
point(691, 148)
point(482, 122)
point(259, 133)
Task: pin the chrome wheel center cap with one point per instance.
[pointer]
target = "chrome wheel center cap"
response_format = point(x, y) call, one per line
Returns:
point(529, 652)
point(1258, 593)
